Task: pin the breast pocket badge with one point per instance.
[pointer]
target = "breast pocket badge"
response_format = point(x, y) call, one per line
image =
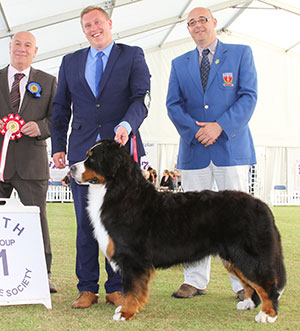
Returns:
point(227, 79)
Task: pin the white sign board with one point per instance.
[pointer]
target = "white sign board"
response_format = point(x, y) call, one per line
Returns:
point(150, 159)
point(23, 272)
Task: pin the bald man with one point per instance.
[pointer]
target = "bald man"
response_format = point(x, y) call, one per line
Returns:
point(27, 167)
point(211, 97)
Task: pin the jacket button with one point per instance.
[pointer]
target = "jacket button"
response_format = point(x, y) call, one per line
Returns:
point(99, 126)
point(206, 106)
point(98, 105)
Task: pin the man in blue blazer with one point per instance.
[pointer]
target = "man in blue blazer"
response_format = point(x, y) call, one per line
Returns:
point(211, 98)
point(112, 109)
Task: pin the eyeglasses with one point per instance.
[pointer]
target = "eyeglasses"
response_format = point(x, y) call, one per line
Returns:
point(201, 19)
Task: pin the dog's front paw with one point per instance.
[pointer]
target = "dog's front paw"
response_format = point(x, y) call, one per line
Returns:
point(262, 317)
point(247, 304)
point(118, 315)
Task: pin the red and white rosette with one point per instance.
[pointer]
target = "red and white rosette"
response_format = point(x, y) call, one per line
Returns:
point(12, 125)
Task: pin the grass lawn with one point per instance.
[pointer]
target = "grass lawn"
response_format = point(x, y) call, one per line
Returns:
point(215, 311)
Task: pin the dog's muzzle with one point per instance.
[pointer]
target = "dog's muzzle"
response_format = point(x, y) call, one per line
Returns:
point(76, 171)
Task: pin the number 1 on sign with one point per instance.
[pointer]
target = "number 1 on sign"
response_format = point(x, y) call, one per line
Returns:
point(4, 261)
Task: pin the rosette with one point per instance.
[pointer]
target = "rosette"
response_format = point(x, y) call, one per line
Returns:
point(35, 89)
point(12, 125)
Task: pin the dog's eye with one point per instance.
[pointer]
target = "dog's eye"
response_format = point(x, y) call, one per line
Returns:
point(94, 181)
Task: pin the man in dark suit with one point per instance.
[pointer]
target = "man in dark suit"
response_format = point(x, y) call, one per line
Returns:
point(211, 98)
point(112, 109)
point(27, 166)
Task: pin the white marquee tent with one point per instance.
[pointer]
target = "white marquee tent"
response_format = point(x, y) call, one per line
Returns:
point(270, 27)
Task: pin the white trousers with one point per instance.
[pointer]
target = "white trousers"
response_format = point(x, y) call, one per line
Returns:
point(225, 178)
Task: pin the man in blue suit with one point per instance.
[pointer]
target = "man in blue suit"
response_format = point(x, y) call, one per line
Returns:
point(110, 107)
point(211, 98)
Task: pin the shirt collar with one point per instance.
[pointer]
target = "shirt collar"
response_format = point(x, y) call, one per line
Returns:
point(212, 47)
point(12, 71)
point(106, 50)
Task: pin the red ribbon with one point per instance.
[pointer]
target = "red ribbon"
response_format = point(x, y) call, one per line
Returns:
point(135, 153)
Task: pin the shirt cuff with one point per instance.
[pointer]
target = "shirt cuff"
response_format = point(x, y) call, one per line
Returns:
point(126, 125)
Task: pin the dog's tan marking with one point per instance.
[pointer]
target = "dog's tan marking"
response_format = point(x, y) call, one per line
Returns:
point(247, 288)
point(267, 304)
point(110, 250)
point(136, 300)
point(90, 174)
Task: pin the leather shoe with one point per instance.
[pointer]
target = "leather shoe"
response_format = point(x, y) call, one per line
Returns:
point(240, 295)
point(52, 287)
point(85, 299)
point(187, 291)
point(115, 298)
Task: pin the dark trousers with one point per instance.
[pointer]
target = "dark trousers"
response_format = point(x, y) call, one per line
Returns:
point(32, 193)
point(87, 255)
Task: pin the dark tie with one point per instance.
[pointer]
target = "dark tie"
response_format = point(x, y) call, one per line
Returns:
point(204, 68)
point(99, 71)
point(15, 92)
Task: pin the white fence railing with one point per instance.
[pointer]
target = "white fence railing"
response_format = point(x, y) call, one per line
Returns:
point(283, 198)
point(59, 193)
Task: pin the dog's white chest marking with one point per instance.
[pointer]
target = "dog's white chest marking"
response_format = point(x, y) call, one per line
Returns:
point(95, 200)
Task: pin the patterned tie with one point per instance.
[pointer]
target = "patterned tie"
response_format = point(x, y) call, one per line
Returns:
point(204, 68)
point(99, 71)
point(15, 92)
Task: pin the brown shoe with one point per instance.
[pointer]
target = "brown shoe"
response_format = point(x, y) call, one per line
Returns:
point(115, 298)
point(187, 291)
point(85, 299)
point(52, 287)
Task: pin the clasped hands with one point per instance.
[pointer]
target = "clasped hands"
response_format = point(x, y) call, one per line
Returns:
point(208, 133)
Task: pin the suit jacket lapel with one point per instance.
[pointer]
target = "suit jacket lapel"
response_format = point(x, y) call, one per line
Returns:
point(217, 62)
point(194, 69)
point(81, 69)
point(32, 78)
point(114, 54)
point(4, 90)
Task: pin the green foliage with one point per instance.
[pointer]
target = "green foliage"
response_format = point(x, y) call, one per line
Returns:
point(215, 311)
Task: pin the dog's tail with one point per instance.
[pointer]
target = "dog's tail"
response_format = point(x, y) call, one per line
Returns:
point(280, 268)
point(281, 276)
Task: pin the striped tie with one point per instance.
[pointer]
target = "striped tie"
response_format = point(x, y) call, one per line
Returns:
point(15, 92)
point(204, 68)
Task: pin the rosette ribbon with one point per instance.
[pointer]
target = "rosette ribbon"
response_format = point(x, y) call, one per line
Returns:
point(134, 149)
point(12, 125)
point(35, 89)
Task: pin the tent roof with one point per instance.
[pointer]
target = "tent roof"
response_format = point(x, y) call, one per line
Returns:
point(151, 24)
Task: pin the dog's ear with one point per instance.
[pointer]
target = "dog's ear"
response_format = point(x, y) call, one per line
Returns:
point(108, 160)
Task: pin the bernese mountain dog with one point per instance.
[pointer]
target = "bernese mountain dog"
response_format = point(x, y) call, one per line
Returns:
point(140, 229)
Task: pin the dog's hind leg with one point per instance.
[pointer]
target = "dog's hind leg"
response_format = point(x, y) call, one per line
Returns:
point(270, 290)
point(136, 294)
point(248, 303)
point(268, 294)
point(269, 298)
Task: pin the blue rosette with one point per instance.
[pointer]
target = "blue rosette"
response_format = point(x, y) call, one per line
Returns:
point(34, 89)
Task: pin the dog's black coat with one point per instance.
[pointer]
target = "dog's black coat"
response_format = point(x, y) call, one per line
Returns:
point(161, 229)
